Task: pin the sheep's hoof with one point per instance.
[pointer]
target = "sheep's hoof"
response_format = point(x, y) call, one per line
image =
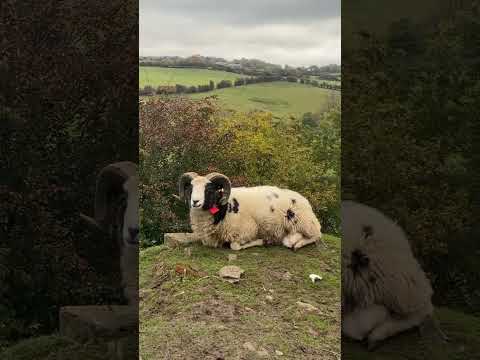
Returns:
point(235, 247)
point(372, 345)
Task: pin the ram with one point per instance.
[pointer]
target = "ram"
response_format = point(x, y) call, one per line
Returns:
point(116, 214)
point(384, 289)
point(241, 217)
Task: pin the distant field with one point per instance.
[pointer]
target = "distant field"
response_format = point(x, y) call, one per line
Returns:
point(280, 98)
point(155, 76)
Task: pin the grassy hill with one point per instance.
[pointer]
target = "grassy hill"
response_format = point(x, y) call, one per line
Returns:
point(281, 98)
point(155, 76)
point(199, 316)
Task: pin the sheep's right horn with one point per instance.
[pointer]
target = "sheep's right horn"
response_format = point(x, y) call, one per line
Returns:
point(223, 182)
point(185, 180)
point(91, 222)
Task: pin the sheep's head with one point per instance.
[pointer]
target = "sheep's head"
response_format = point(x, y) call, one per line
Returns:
point(116, 203)
point(204, 192)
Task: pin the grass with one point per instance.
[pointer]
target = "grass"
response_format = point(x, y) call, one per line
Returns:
point(199, 316)
point(53, 347)
point(462, 330)
point(280, 98)
point(155, 76)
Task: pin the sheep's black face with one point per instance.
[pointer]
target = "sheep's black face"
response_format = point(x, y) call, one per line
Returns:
point(212, 196)
point(203, 194)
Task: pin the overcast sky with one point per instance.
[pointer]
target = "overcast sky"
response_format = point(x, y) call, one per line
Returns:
point(293, 32)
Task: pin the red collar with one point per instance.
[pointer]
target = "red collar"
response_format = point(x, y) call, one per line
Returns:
point(214, 209)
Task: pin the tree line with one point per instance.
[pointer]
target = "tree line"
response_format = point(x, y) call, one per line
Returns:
point(251, 67)
point(149, 90)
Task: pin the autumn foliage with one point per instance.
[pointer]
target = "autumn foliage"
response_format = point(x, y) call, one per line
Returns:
point(178, 134)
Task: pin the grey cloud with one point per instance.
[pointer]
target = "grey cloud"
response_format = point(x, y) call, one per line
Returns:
point(247, 11)
point(294, 32)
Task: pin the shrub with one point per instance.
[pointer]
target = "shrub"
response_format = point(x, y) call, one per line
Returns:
point(224, 84)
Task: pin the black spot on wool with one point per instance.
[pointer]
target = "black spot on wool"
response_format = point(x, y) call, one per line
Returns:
point(272, 209)
point(236, 205)
point(359, 261)
point(276, 195)
point(290, 214)
point(367, 230)
point(294, 201)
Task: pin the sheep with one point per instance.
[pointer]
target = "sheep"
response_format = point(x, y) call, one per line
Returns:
point(242, 217)
point(384, 289)
point(116, 214)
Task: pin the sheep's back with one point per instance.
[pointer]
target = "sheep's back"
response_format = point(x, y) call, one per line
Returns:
point(276, 211)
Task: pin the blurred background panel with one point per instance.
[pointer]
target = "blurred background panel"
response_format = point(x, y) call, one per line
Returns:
point(410, 149)
point(69, 107)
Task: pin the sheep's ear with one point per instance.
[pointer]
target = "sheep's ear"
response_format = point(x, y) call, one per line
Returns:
point(92, 223)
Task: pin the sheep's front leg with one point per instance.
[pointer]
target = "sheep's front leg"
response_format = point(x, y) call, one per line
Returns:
point(296, 241)
point(236, 246)
point(392, 326)
point(359, 323)
point(304, 241)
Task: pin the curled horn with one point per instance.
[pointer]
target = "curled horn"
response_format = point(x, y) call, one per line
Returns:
point(184, 180)
point(221, 181)
point(109, 189)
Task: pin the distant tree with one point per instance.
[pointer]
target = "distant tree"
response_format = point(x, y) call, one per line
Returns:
point(180, 89)
point(192, 89)
point(239, 82)
point(224, 84)
point(203, 88)
point(292, 79)
point(212, 85)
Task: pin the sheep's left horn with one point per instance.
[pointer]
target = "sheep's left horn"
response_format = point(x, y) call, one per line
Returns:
point(110, 182)
point(223, 182)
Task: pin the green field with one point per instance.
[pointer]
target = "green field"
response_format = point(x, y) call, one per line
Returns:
point(280, 98)
point(155, 76)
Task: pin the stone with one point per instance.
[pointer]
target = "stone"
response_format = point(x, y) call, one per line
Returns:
point(115, 326)
point(278, 353)
point(173, 240)
point(232, 257)
point(262, 353)
point(231, 273)
point(287, 276)
point(269, 298)
point(306, 306)
point(249, 346)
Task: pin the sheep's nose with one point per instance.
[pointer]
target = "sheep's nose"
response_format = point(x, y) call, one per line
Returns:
point(195, 203)
point(133, 231)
